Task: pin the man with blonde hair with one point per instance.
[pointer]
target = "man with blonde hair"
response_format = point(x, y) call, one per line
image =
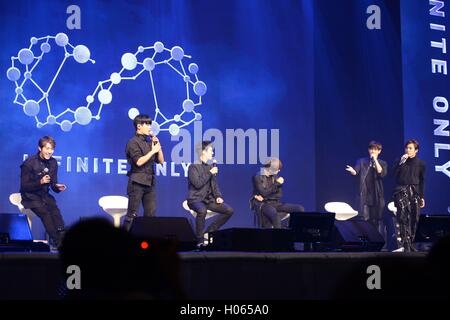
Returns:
point(267, 195)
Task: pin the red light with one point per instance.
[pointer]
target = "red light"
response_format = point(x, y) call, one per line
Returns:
point(144, 245)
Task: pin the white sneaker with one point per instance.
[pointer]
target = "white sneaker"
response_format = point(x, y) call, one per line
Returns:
point(205, 239)
point(399, 250)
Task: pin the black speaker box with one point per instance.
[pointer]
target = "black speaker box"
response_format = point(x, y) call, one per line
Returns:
point(357, 235)
point(175, 229)
point(15, 234)
point(250, 239)
point(312, 227)
point(432, 227)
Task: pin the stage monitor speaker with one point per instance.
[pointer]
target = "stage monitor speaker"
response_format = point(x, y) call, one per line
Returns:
point(177, 229)
point(251, 239)
point(15, 234)
point(357, 235)
point(312, 227)
point(432, 227)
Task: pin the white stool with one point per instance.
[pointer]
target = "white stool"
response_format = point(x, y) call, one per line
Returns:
point(115, 206)
point(392, 208)
point(342, 210)
point(16, 199)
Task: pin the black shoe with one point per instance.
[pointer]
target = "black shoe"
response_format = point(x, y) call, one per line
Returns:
point(200, 246)
point(128, 223)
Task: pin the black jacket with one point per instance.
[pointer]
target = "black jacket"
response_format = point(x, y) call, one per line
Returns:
point(34, 194)
point(412, 172)
point(137, 147)
point(362, 167)
point(267, 187)
point(202, 184)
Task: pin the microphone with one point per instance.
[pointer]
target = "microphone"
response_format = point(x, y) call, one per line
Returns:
point(154, 142)
point(372, 161)
point(43, 173)
point(214, 164)
point(274, 177)
point(403, 159)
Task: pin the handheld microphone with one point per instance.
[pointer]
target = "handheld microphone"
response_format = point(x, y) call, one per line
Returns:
point(154, 142)
point(372, 161)
point(43, 173)
point(214, 164)
point(403, 159)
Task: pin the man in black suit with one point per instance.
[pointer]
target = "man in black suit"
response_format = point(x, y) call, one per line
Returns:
point(204, 193)
point(371, 171)
point(267, 194)
point(39, 174)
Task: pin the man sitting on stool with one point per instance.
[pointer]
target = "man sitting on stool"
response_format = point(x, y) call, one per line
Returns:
point(39, 174)
point(267, 195)
point(204, 193)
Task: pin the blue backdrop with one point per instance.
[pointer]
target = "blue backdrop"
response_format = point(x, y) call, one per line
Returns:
point(425, 90)
point(310, 69)
point(358, 93)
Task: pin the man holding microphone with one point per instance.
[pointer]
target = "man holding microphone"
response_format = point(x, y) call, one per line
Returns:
point(204, 193)
point(371, 171)
point(267, 194)
point(39, 174)
point(409, 196)
point(142, 153)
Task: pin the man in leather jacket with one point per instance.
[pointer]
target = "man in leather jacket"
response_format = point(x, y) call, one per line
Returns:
point(39, 174)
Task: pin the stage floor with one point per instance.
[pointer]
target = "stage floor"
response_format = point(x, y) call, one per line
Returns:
point(237, 275)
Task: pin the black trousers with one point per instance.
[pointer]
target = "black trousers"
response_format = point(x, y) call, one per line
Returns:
point(389, 230)
point(407, 202)
point(52, 220)
point(224, 210)
point(273, 212)
point(137, 194)
point(382, 221)
point(374, 214)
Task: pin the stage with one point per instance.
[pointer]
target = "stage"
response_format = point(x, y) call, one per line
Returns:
point(243, 275)
point(223, 118)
